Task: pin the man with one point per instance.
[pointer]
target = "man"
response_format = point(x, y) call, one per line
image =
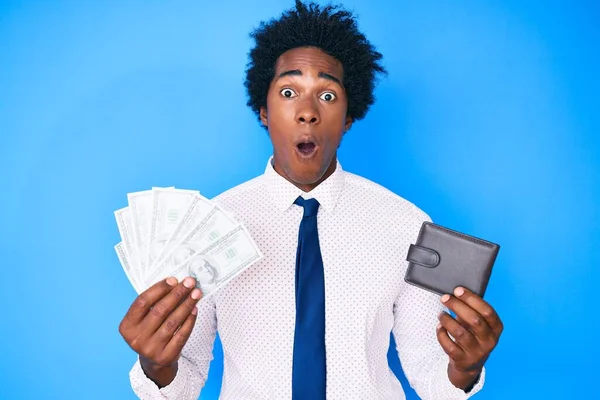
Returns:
point(312, 319)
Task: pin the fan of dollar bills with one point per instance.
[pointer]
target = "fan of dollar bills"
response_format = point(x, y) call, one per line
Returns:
point(174, 232)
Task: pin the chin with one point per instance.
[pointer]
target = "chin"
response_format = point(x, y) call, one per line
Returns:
point(303, 171)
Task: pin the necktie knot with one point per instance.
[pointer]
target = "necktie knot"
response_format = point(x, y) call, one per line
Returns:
point(311, 206)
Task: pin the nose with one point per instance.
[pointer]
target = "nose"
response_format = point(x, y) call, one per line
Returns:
point(308, 113)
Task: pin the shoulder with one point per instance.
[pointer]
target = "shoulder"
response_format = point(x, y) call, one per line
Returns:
point(241, 199)
point(241, 191)
point(383, 201)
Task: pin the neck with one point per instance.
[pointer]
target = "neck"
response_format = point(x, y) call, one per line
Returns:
point(307, 187)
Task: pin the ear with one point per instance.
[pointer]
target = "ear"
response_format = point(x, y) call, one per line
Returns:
point(263, 115)
point(348, 124)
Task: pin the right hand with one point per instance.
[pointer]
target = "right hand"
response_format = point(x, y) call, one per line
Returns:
point(158, 325)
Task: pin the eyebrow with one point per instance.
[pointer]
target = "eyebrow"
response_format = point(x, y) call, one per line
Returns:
point(324, 75)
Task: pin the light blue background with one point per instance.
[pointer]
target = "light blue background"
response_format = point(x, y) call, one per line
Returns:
point(488, 121)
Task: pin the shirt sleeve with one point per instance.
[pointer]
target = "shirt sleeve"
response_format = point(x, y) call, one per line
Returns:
point(423, 359)
point(193, 365)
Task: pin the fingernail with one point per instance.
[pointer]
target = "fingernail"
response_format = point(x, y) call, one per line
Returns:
point(195, 294)
point(195, 311)
point(445, 298)
point(188, 282)
point(171, 281)
point(438, 326)
point(459, 291)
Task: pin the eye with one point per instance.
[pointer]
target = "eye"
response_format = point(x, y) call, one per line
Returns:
point(287, 92)
point(328, 97)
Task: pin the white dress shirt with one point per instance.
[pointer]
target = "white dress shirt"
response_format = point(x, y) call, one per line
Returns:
point(364, 232)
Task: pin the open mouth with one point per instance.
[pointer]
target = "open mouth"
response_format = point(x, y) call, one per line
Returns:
point(306, 148)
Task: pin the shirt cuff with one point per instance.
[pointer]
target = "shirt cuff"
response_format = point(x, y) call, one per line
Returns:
point(146, 389)
point(178, 388)
point(442, 388)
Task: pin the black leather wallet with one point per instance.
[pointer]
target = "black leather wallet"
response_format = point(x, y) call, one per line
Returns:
point(443, 259)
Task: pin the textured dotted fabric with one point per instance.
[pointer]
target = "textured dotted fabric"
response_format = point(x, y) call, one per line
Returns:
point(364, 232)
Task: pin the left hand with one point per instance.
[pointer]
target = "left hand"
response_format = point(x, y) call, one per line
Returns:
point(476, 329)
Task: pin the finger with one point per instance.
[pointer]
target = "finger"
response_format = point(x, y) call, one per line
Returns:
point(469, 317)
point(179, 315)
point(181, 337)
point(163, 308)
point(142, 304)
point(482, 307)
point(463, 337)
point(452, 349)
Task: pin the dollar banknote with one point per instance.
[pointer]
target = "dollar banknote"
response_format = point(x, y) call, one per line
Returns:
point(211, 228)
point(218, 263)
point(197, 210)
point(140, 204)
point(126, 229)
point(168, 207)
point(174, 232)
point(127, 267)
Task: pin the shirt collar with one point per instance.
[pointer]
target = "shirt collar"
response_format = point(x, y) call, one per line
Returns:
point(284, 193)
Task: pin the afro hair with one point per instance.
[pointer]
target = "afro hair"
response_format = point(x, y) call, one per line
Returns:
point(329, 28)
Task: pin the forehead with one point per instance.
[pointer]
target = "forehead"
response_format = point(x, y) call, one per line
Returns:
point(309, 59)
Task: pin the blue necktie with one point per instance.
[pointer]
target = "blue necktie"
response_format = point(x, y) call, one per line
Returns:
point(308, 368)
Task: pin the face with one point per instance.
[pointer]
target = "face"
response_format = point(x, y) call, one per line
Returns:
point(306, 115)
point(201, 272)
